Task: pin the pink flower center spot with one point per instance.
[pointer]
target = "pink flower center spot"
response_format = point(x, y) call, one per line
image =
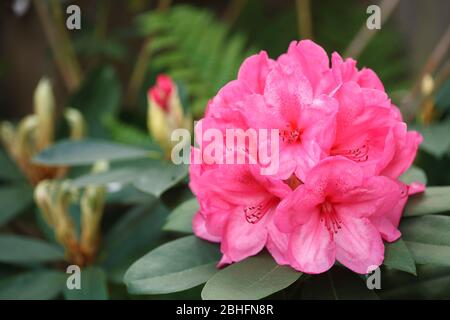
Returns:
point(358, 154)
point(253, 214)
point(330, 218)
point(291, 135)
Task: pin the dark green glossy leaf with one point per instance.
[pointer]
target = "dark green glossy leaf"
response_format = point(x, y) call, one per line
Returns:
point(68, 153)
point(425, 253)
point(431, 282)
point(14, 199)
point(8, 169)
point(443, 97)
point(93, 286)
point(22, 250)
point(122, 172)
point(174, 266)
point(414, 174)
point(138, 231)
point(253, 278)
point(180, 220)
point(149, 176)
point(397, 256)
point(436, 138)
point(33, 285)
point(432, 229)
point(434, 200)
point(159, 179)
point(428, 239)
point(337, 284)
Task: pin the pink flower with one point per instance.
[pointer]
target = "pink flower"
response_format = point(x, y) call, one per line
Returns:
point(281, 95)
point(370, 129)
point(343, 146)
point(328, 217)
point(162, 91)
point(387, 218)
point(236, 209)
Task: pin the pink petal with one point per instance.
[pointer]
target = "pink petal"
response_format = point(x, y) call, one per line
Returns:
point(242, 239)
point(198, 225)
point(407, 144)
point(358, 245)
point(415, 188)
point(308, 58)
point(287, 90)
point(367, 78)
point(311, 248)
point(297, 209)
point(385, 227)
point(319, 121)
point(307, 155)
point(277, 244)
point(334, 176)
point(375, 194)
point(253, 71)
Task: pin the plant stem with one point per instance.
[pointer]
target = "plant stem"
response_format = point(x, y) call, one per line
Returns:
point(101, 26)
point(233, 11)
point(364, 35)
point(67, 46)
point(304, 19)
point(140, 68)
point(59, 42)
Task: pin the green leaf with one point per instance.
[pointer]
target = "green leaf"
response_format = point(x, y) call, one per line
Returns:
point(33, 285)
point(337, 284)
point(84, 152)
point(433, 200)
point(137, 231)
point(114, 175)
point(180, 220)
point(253, 278)
point(397, 256)
point(414, 174)
point(93, 286)
point(436, 138)
point(443, 97)
point(432, 229)
point(428, 239)
point(149, 176)
point(123, 172)
point(161, 178)
point(425, 253)
point(14, 199)
point(432, 282)
point(98, 98)
point(174, 266)
point(8, 169)
point(22, 250)
point(127, 195)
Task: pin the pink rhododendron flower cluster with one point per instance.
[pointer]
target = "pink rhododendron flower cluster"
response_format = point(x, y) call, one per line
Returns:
point(342, 148)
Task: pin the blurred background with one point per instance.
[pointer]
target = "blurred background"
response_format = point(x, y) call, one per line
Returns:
point(104, 69)
point(202, 43)
point(110, 35)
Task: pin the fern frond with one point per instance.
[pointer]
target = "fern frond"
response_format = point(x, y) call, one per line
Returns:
point(194, 48)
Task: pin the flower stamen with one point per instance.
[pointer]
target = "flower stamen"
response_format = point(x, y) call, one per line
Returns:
point(291, 135)
point(358, 154)
point(253, 214)
point(330, 218)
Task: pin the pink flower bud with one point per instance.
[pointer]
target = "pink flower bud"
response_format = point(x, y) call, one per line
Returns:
point(161, 92)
